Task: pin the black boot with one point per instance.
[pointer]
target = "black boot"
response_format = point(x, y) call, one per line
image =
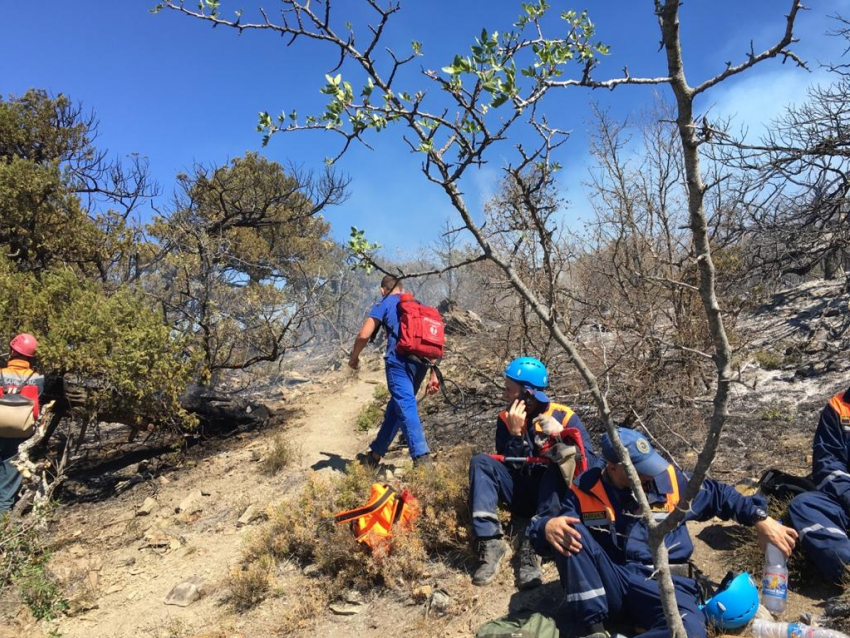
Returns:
point(491, 555)
point(529, 575)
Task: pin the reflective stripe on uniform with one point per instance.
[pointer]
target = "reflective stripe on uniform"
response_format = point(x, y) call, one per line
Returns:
point(488, 515)
point(831, 477)
point(817, 527)
point(585, 595)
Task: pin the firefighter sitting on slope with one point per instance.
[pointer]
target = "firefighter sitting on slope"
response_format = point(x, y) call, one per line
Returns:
point(525, 487)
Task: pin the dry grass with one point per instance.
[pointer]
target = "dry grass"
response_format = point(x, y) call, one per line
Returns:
point(302, 529)
point(279, 456)
point(250, 584)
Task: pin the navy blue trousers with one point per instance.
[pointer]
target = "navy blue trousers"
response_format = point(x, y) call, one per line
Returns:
point(598, 589)
point(822, 523)
point(524, 490)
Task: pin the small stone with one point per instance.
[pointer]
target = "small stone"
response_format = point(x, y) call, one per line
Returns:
point(440, 601)
point(311, 571)
point(250, 514)
point(163, 480)
point(345, 610)
point(255, 456)
point(190, 503)
point(423, 593)
point(354, 597)
point(147, 507)
point(185, 593)
point(206, 493)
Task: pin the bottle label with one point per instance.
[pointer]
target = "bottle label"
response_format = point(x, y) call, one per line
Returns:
point(797, 630)
point(775, 585)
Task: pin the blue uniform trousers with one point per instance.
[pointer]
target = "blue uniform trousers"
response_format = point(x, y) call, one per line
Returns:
point(598, 589)
point(492, 482)
point(403, 381)
point(10, 478)
point(822, 523)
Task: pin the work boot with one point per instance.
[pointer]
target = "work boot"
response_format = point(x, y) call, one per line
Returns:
point(529, 575)
point(369, 459)
point(423, 461)
point(491, 554)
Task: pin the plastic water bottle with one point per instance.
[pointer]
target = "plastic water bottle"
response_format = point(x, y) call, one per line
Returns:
point(774, 584)
point(772, 629)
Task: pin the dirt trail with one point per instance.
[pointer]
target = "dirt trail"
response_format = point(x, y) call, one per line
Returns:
point(122, 565)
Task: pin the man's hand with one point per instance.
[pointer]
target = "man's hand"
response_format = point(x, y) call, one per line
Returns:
point(516, 418)
point(353, 362)
point(561, 535)
point(433, 384)
point(772, 531)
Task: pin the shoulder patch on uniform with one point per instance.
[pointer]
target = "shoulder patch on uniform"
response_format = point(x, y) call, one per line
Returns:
point(845, 421)
point(642, 445)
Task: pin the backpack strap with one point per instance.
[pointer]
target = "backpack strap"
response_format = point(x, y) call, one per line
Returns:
point(360, 512)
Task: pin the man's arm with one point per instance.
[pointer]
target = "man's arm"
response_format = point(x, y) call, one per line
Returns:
point(369, 326)
point(725, 502)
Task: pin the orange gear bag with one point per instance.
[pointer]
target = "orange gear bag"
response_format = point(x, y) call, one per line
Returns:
point(373, 523)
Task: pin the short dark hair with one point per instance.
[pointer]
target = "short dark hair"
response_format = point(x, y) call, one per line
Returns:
point(390, 282)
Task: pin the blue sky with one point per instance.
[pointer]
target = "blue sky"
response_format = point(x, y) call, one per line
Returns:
point(178, 92)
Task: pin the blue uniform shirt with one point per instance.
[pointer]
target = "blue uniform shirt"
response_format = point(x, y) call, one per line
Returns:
point(629, 541)
point(386, 312)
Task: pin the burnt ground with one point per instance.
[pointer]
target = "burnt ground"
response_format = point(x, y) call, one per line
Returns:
point(790, 364)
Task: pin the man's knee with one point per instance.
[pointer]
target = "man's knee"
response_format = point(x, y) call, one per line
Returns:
point(694, 622)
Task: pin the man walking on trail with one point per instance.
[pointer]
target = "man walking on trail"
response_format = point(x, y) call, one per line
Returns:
point(524, 487)
point(822, 517)
point(601, 548)
point(403, 380)
point(17, 377)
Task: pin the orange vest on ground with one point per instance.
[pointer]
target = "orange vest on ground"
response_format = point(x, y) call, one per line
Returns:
point(596, 508)
point(373, 523)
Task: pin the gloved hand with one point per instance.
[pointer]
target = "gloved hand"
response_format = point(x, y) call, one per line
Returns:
point(547, 425)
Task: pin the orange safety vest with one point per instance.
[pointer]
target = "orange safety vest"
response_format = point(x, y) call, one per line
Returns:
point(841, 408)
point(596, 508)
point(553, 407)
point(373, 522)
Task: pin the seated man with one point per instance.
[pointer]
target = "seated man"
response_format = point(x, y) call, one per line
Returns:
point(602, 553)
point(519, 485)
point(822, 517)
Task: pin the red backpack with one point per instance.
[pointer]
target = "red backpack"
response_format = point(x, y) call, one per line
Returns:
point(421, 329)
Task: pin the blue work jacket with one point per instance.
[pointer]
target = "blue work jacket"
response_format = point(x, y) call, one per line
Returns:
point(626, 540)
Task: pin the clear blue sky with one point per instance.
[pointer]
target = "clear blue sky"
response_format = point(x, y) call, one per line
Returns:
point(176, 91)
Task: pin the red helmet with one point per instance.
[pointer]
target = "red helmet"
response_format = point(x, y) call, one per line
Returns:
point(24, 344)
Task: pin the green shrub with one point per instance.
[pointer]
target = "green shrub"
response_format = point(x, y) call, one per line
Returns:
point(372, 413)
point(23, 563)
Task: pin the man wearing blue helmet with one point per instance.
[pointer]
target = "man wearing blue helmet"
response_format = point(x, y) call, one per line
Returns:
point(601, 548)
point(521, 486)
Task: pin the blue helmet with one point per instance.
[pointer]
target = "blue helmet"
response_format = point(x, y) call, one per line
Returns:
point(735, 604)
point(531, 373)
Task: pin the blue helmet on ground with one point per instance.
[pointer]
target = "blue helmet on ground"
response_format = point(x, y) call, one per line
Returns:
point(735, 604)
point(530, 373)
